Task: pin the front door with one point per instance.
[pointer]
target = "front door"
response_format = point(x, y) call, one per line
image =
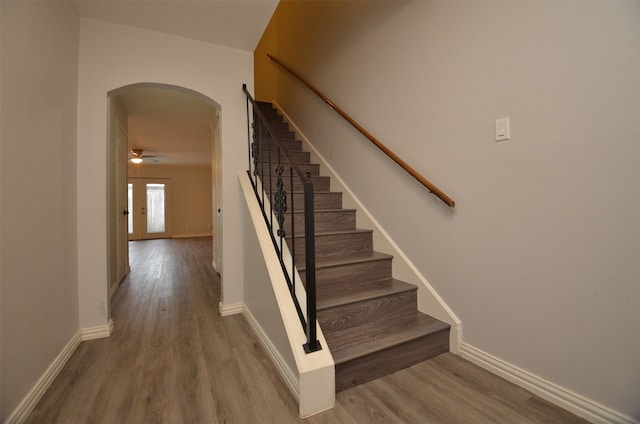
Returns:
point(149, 203)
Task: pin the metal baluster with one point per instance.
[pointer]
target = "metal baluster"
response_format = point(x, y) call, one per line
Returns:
point(270, 188)
point(280, 202)
point(279, 207)
point(310, 261)
point(248, 134)
point(293, 233)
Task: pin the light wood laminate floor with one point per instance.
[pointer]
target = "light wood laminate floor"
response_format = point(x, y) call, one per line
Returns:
point(172, 359)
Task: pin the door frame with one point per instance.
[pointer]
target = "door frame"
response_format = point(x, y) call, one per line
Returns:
point(111, 176)
point(122, 212)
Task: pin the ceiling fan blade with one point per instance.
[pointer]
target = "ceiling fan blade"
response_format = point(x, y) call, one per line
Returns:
point(138, 154)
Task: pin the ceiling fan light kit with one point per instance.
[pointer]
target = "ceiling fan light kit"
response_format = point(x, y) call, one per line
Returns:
point(136, 156)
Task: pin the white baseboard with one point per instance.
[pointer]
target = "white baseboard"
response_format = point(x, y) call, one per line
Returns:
point(22, 411)
point(288, 377)
point(114, 288)
point(177, 236)
point(230, 309)
point(98, 332)
point(571, 401)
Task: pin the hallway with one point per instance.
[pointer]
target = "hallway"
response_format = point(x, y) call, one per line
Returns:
point(172, 359)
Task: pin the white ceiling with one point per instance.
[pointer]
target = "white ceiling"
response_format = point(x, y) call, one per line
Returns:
point(171, 124)
point(233, 23)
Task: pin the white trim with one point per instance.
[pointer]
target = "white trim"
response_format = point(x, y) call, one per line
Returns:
point(565, 398)
point(98, 332)
point(230, 309)
point(194, 235)
point(290, 379)
point(316, 370)
point(22, 411)
point(114, 288)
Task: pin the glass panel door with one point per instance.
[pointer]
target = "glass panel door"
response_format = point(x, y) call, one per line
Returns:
point(130, 206)
point(155, 208)
point(150, 208)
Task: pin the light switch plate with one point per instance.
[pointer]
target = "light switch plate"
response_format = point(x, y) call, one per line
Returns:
point(503, 130)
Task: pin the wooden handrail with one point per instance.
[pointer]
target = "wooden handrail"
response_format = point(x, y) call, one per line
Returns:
point(422, 180)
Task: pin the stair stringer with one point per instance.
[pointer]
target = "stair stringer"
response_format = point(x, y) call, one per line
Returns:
point(429, 301)
point(269, 309)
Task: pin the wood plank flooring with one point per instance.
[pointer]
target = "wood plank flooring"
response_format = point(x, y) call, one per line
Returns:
point(172, 359)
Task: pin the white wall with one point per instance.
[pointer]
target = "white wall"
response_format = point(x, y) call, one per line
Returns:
point(112, 56)
point(541, 256)
point(38, 280)
point(191, 196)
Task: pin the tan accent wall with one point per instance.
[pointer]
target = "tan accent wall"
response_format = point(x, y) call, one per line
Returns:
point(191, 192)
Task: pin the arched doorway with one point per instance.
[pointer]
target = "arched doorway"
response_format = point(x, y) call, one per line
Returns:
point(170, 126)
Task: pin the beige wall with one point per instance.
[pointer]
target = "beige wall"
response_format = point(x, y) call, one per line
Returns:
point(541, 257)
point(191, 192)
point(38, 271)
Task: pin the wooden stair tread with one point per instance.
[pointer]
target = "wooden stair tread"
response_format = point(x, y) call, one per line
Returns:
point(340, 232)
point(347, 294)
point(300, 194)
point(376, 256)
point(355, 342)
point(331, 244)
point(297, 211)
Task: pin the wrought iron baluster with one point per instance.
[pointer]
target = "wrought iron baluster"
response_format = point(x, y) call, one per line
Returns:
point(263, 132)
point(280, 203)
point(249, 133)
point(270, 189)
point(293, 234)
point(255, 149)
point(310, 264)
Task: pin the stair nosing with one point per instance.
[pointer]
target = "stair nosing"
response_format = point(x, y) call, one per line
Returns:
point(313, 177)
point(338, 232)
point(332, 210)
point(366, 348)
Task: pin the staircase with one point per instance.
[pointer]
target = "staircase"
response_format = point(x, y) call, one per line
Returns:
point(369, 319)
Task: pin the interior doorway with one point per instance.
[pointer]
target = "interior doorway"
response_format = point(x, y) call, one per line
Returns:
point(180, 117)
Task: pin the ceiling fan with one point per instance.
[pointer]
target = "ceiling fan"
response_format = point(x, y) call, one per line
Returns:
point(136, 156)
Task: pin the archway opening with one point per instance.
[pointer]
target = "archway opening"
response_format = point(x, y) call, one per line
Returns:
point(176, 133)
